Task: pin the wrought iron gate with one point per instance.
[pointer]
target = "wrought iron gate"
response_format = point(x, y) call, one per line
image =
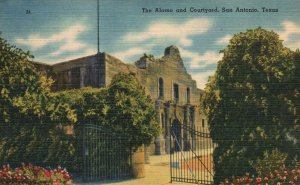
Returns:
point(192, 163)
point(105, 154)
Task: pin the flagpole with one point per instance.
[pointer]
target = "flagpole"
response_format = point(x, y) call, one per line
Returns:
point(98, 39)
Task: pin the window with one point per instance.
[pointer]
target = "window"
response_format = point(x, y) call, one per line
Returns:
point(176, 91)
point(188, 95)
point(203, 123)
point(161, 88)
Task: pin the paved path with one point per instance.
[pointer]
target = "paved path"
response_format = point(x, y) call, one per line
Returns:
point(157, 173)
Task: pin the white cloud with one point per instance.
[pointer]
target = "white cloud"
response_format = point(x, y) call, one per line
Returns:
point(202, 77)
point(68, 35)
point(224, 40)
point(126, 55)
point(169, 30)
point(34, 41)
point(71, 45)
point(290, 28)
point(197, 60)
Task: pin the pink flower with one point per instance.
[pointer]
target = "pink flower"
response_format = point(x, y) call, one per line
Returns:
point(266, 179)
point(283, 167)
point(284, 178)
point(295, 178)
point(226, 181)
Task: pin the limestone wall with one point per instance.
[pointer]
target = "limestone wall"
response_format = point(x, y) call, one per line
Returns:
point(171, 70)
point(114, 66)
point(177, 98)
point(81, 72)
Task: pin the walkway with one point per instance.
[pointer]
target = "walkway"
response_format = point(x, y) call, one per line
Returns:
point(157, 173)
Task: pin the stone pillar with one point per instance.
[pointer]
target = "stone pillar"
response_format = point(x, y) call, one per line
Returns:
point(147, 154)
point(159, 141)
point(192, 120)
point(167, 128)
point(138, 164)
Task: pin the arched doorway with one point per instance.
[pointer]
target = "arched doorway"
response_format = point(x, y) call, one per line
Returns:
point(176, 133)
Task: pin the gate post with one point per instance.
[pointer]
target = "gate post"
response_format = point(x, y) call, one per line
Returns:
point(146, 151)
point(138, 163)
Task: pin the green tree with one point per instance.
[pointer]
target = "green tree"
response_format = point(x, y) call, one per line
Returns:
point(249, 104)
point(20, 84)
point(130, 111)
point(26, 111)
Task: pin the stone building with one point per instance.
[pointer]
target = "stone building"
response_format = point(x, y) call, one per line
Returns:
point(176, 96)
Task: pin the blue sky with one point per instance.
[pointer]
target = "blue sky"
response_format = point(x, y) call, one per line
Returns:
point(61, 30)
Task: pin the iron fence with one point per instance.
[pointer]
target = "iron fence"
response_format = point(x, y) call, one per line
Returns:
point(105, 154)
point(191, 158)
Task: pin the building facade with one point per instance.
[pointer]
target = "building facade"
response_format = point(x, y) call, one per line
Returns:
point(176, 96)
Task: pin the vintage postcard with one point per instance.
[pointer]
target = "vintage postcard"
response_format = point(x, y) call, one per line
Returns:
point(149, 92)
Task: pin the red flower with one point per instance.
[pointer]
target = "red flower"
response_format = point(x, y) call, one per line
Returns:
point(247, 180)
point(18, 177)
point(57, 181)
point(258, 180)
point(47, 173)
point(30, 166)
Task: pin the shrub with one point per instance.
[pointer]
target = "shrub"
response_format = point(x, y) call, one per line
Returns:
point(270, 162)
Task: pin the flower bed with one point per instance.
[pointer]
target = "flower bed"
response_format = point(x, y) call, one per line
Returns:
point(33, 175)
point(278, 177)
